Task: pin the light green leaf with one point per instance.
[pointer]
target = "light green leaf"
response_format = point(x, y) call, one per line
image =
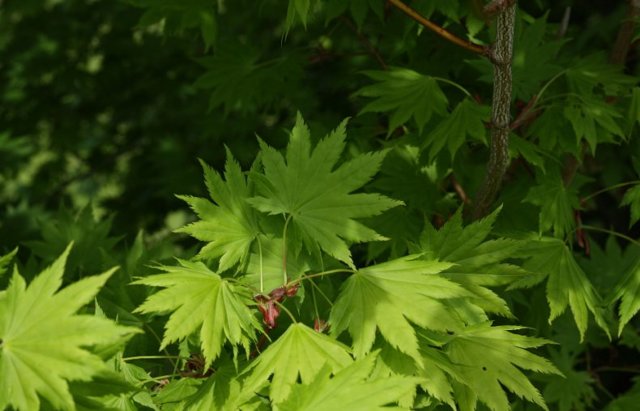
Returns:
point(490, 358)
point(405, 94)
point(229, 226)
point(299, 352)
point(6, 259)
point(632, 199)
point(200, 300)
point(351, 388)
point(567, 284)
point(306, 188)
point(44, 343)
point(388, 296)
point(466, 120)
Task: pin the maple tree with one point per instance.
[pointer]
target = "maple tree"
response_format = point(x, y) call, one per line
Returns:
point(449, 220)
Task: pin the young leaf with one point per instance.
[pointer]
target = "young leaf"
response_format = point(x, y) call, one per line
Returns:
point(490, 358)
point(567, 284)
point(200, 299)
point(230, 227)
point(306, 188)
point(406, 94)
point(352, 388)
point(300, 351)
point(44, 343)
point(387, 296)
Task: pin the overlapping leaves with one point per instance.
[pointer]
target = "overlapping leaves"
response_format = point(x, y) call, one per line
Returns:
point(389, 297)
point(44, 343)
point(305, 188)
point(230, 225)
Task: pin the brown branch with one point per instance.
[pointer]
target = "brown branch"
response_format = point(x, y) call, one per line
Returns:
point(365, 42)
point(447, 35)
point(625, 34)
point(502, 54)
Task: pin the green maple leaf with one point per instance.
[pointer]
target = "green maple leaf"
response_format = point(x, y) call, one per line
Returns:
point(574, 389)
point(6, 259)
point(490, 358)
point(44, 344)
point(466, 120)
point(567, 283)
point(629, 293)
point(201, 300)
point(594, 120)
point(229, 226)
point(352, 388)
point(632, 199)
point(315, 197)
point(478, 261)
point(405, 94)
point(595, 71)
point(299, 352)
point(556, 203)
point(388, 296)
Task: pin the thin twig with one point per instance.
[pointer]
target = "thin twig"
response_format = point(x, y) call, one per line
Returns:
point(447, 35)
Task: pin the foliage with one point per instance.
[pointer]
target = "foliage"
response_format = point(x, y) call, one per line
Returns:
point(336, 265)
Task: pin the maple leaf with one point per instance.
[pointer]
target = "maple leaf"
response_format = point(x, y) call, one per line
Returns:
point(467, 119)
point(478, 262)
point(594, 120)
point(316, 198)
point(201, 300)
point(300, 351)
point(229, 226)
point(387, 296)
point(574, 389)
point(353, 388)
point(6, 259)
point(628, 291)
point(44, 344)
point(488, 358)
point(406, 94)
point(632, 199)
point(567, 283)
point(556, 203)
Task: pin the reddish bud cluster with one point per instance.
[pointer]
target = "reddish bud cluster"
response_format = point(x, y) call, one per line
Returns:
point(268, 304)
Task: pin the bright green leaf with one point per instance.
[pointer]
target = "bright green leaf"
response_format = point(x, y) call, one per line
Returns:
point(44, 344)
point(389, 297)
point(200, 300)
point(299, 353)
point(229, 226)
point(306, 188)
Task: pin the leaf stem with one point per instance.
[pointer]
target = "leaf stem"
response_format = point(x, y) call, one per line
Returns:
point(261, 271)
point(150, 357)
point(611, 232)
point(604, 190)
point(284, 250)
point(452, 83)
point(447, 35)
point(286, 310)
point(323, 273)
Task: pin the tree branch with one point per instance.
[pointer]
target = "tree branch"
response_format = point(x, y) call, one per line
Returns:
point(447, 35)
point(625, 34)
point(501, 53)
